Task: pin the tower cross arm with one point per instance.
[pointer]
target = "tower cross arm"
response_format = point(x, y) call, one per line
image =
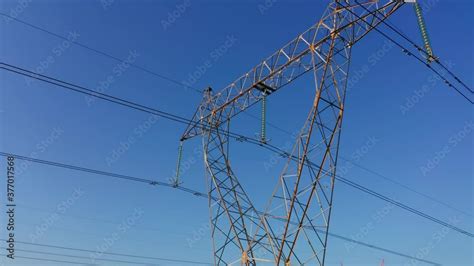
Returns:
point(291, 61)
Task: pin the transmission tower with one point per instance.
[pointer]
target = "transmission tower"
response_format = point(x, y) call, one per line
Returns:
point(293, 230)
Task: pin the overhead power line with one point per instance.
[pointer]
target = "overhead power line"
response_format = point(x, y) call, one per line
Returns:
point(82, 257)
point(391, 180)
point(205, 127)
point(199, 91)
point(186, 121)
point(179, 83)
point(404, 36)
point(121, 101)
point(169, 185)
point(146, 70)
point(117, 100)
point(383, 249)
point(97, 172)
point(403, 206)
point(385, 22)
point(154, 182)
point(407, 52)
point(84, 90)
point(49, 260)
point(346, 239)
point(113, 253)
point(392, 201)
point(376, 174)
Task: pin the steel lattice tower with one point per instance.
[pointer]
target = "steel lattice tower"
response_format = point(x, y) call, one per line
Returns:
point(293, 230)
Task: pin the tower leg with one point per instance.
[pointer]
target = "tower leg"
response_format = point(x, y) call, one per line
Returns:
point(302, 201)
point(231, 212)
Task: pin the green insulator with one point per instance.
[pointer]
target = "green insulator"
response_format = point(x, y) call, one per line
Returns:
point(178, 164)
point(263, 137)
point(423, 31)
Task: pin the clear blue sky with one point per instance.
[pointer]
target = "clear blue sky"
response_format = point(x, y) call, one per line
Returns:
point(58, 125)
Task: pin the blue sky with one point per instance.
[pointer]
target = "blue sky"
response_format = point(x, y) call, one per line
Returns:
point(424, 142)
